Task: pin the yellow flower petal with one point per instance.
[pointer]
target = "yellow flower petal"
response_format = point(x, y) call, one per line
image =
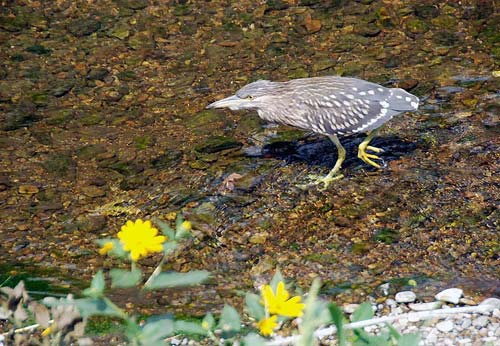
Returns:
point(187, 225)
point(140, 239)
point(107, 247)
point(280, 303)
point(267, 325)
point(47, 331)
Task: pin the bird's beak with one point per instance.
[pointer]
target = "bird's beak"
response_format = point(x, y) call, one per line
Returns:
point(231, 102)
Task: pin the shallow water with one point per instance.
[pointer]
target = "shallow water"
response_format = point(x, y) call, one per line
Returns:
point(103, 120)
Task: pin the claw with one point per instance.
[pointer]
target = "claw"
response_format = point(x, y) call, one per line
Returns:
point(366, 158)
point(375, 149)
point(363, 155)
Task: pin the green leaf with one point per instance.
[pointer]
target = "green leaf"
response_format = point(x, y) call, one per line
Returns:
point(253, 339)
point(315, 314)
point(156, 328)
point(409, 340)
point(117, 250)
point(189, 327)
point(229, 320)
point(174, 279)
point(124, 278)
point(392, 331)
point(364, 338)
point(87, 306)
point(169, 247)
point(276, 279)
point(165, 229)
point(208, 322)
point(363, 312)
point(97, 285)
point(178, 221)
point(254, 307)
point(338, 319)
point(132, 331)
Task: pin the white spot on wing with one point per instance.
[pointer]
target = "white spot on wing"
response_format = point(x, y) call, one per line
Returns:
point(371, 92)
point(347, 103)
point(362, 93)
point(380, 89)
point(407, 99)
point(414, 105)
point(384, 104)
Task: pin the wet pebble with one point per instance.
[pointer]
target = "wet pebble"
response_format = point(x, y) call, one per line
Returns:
point(93, 191)
point(28, 189)
point(450, 295)
point(405, 297)
point(445, 326)
point(425, 306)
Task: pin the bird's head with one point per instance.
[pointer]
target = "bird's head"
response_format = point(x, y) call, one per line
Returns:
point(251, 96)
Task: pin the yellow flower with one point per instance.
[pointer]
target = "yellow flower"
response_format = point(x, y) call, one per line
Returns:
point(47, 331)
point(267, 325)
point(107, 247)
point(140, 238)
point(187, 225)
point(280, 303)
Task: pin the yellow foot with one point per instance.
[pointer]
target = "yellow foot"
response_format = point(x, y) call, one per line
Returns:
point(363, 155)
point(318, 180)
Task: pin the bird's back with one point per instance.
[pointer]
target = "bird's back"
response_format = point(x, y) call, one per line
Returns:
point(336, 105)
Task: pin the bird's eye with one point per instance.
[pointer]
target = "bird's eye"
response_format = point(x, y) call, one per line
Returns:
point(249, 97)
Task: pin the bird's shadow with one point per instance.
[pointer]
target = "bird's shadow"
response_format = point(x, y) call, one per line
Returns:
point(320, 151)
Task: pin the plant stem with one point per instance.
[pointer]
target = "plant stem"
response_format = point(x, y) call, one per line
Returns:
point(156, 272)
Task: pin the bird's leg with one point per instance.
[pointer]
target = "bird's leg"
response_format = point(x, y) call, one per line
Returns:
point(363, 146)
point(334, 173)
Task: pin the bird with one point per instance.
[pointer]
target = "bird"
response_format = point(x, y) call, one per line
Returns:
point(329, 105)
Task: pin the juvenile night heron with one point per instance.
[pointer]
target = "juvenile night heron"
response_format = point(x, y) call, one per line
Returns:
point(328, 105)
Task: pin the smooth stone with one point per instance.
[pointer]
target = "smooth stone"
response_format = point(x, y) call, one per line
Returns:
point(494, 302)
point(450, 295)
point(425, 306)
point(467, 301)
point(350, 308)
point(445, 326)
point(28, 189)
point(481, 321)
point(405, 297)
point(466, 323)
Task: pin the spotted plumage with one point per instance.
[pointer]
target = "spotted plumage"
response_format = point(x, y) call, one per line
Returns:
point(327, 105)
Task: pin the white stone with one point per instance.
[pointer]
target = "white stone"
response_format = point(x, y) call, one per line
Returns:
point(465, 341)
point(489, 339)
point(467, 301)
point(413, 318)
point(450, 295)
point(425, 306)
point(431, 339)
point(466, 323)
point(405, 297)
point(481, 321)
point(445, 326)
point(390, 302)
point(350, 308)
point(494, 302)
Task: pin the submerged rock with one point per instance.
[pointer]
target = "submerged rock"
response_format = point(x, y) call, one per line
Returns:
point(215, 144)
